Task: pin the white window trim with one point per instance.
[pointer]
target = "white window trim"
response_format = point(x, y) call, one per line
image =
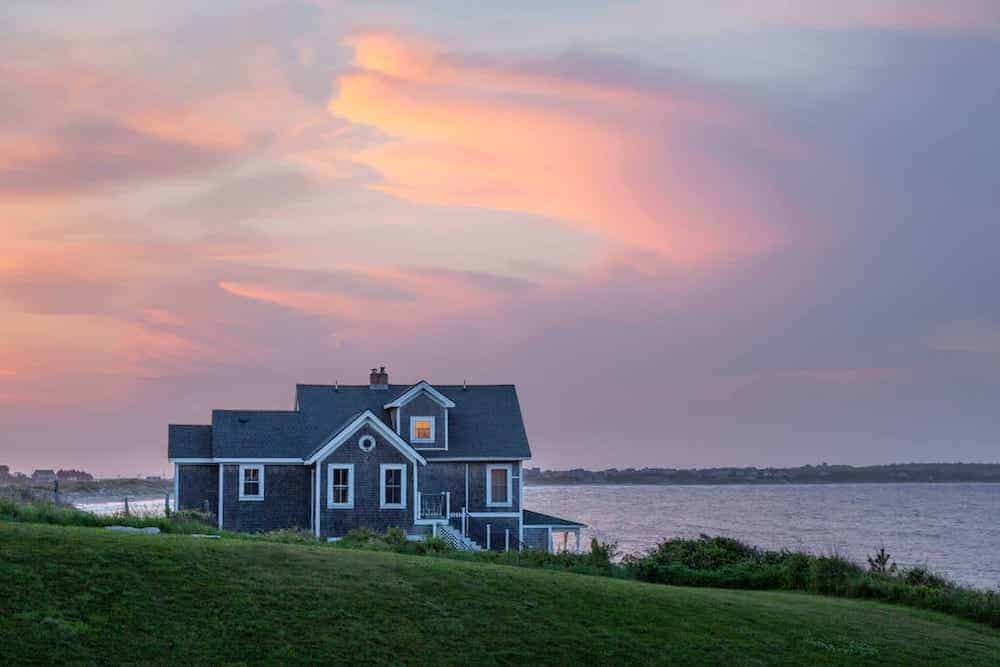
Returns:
point(243, 469)
point(349, 467)
point(489, 485)
point(381, 486)
point(414, 438)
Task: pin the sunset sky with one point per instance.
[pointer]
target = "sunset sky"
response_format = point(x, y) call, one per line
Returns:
point(692, 233)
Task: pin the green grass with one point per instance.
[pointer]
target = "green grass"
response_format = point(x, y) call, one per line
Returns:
point(40, 511)
point(90, 596)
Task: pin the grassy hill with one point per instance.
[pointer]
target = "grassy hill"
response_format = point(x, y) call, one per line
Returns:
point(87, 595)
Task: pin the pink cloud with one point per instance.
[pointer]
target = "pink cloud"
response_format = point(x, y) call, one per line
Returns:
point(625, 160)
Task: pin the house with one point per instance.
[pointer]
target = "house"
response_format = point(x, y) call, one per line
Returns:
point(431, 459)
point(74, 476)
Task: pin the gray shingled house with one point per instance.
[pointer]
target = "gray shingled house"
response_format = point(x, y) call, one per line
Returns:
point(444, 460)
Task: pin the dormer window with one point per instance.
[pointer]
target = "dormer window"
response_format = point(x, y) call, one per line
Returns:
point(421, 429)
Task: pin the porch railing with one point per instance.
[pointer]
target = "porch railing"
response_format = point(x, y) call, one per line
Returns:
point(435, 505)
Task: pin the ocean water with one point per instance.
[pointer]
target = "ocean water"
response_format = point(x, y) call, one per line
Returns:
point(952, 528)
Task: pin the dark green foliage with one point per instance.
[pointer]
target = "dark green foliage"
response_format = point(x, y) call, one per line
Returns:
point(879, 562)
point(395, 537)
point(727, 563)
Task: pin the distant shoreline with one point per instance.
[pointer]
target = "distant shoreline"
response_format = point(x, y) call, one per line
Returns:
point(721, 483)
point(896, 473)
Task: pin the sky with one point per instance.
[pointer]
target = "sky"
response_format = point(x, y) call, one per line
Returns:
point(693, 234)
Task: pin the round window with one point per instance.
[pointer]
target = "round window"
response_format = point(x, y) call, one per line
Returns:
point(366, 443)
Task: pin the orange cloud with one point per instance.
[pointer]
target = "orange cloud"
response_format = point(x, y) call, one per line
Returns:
point(623, 160)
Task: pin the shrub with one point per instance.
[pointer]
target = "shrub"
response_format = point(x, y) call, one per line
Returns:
point(921, 576)
point(602, 554)
point(879, 562)
point(832, 574)
point(395, 536)
point(289, 536)
point(431, 545)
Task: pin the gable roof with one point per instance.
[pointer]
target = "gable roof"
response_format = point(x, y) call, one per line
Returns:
point(415, 390)
point(365, 418)
point(485, 423)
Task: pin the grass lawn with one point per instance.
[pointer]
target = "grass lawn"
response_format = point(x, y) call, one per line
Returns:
point(89, 595)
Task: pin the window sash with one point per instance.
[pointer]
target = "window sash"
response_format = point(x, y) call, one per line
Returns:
point(393, 486)
point(251, 482)
point(498, 480)
point(340, 486)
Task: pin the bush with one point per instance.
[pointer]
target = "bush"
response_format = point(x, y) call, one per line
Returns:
point(289, 536)
point(832, 575)
point(395, 537)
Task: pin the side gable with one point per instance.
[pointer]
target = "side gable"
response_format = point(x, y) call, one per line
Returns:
point(366, 418)
point(415, 390)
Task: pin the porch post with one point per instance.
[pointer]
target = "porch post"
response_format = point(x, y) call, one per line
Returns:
point(552, 546)
point(578, 531)
point(506, 539)
point(419, 508)
point(488, 527)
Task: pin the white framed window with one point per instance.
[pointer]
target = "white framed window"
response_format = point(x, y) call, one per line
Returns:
point(421, 429)
point(498, 485)
point(252, 482)
point(392, 486)
point(340, 486)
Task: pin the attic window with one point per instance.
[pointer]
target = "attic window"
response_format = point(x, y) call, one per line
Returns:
point(421, 429)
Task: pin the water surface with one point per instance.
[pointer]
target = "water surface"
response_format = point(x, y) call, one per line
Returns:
point(952, 528)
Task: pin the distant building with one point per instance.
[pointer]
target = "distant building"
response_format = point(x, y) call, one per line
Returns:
point(4, 473)
point(74, 475)
point(43, 475)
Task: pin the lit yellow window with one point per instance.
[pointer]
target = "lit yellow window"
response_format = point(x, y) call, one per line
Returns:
point(422, 428)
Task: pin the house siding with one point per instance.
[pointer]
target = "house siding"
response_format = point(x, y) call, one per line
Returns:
point(198, 487)
point(423, 406)
point(285, 503)
point(477, 488)
point(366, 512)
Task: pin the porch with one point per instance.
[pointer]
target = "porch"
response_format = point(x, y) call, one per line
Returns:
point(551, 533)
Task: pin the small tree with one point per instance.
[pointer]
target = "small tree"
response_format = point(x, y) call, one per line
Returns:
point(879, 562)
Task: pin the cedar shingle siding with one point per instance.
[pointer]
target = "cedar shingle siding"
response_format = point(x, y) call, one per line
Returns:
point(485, 425)
point(285, 503)
point(366, 512)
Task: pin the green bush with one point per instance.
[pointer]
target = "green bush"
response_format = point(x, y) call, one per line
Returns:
point(395, 536)
point(832, 575)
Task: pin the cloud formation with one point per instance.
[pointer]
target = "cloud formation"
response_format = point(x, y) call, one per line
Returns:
point(637, 161)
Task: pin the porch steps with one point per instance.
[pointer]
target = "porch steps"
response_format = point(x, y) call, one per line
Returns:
point(456, 540)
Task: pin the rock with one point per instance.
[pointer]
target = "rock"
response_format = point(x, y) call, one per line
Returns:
point(129, 529)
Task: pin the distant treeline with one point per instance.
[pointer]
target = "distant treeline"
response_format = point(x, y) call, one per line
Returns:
point(809, 474)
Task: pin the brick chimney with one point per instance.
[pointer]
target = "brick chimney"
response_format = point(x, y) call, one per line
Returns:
point(378, 379)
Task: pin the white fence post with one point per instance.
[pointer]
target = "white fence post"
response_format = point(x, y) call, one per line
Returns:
point(465, 522)
point(447, 506)
point(488, 526)
point(506, 539)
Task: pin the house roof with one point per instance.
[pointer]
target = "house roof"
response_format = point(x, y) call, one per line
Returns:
point(486, 422)
point(539, 519)
point(189, 441)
